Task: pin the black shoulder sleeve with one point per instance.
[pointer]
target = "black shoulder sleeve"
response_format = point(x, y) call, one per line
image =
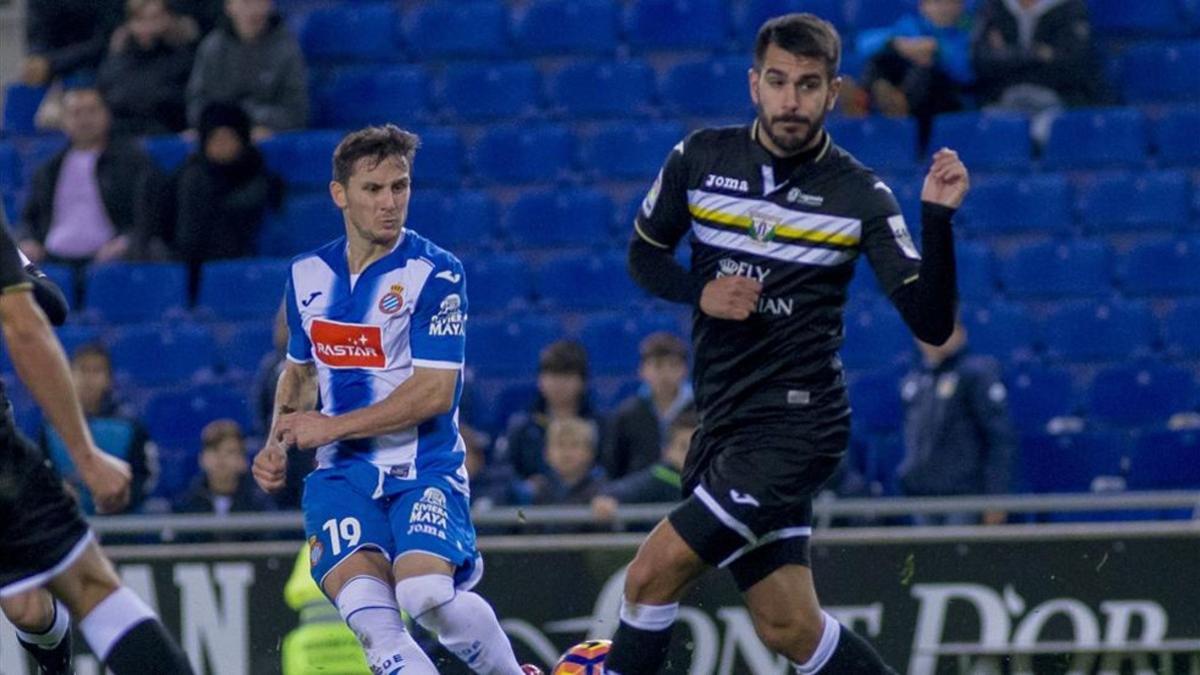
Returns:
point(656, 270)
point(663, 218)
point(48, 295)
point(12, 272)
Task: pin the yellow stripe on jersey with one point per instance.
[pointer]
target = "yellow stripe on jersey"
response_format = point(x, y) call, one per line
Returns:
point(826, 230)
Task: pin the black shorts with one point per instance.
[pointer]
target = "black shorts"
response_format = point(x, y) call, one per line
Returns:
point(42, 531)
point(748, 504)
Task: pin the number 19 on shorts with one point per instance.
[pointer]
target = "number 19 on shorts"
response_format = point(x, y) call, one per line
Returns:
point(346, 530)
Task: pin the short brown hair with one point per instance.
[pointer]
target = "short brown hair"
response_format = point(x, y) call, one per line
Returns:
point(219, 431)
point(375, 143)
point(96, 349)
point(662, 344)
point(803, 35)
point(565, 357)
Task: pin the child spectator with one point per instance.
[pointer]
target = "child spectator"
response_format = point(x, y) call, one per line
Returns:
point(657, 483)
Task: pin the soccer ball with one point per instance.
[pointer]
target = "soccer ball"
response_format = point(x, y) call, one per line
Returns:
point(585, 658)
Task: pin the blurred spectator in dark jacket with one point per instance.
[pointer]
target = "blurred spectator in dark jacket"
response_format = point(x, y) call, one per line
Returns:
point(224, 485)
point(66, 38)
point(116, 430)
point(91, 201)
point(214, 206)
point(574, 477)
point(206, 13)
point(958, 437)
point(637, 430)
point(144, 77)
point(658, 483)
point(251, 59)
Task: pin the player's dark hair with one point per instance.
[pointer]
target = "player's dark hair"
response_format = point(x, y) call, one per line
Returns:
point(565, 357)
point(375, 143)
point(92, 349)
point(803, 35)
point(662, 345)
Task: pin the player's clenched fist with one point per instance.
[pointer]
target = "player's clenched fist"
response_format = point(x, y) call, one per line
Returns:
point(270, 468)
point(947, 181)
point(734, 298)
point(108, 479)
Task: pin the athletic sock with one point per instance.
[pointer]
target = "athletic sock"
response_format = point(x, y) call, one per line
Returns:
point(51, 648)
point(368, 607)
point(643, 636)
point(842, 652)
point(464, 622)
point(126, 636)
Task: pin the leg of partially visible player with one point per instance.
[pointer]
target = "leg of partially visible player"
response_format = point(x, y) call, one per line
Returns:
point(362, 590)
point(463, 621)
point(43, 628)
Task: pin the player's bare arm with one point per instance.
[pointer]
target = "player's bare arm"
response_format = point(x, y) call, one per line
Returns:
point(428, 393)
point(42, 366)
point(947, 181)
point(295, 392)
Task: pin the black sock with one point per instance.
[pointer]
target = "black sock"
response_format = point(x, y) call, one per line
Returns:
point(636, 651)
point(146, 649)
point(854, 656)
point(53, 661)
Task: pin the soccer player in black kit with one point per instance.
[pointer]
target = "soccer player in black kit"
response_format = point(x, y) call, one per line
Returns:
point(777, 216)
point(45, 544)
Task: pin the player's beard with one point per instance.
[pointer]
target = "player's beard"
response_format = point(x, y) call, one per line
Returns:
point(790, 145)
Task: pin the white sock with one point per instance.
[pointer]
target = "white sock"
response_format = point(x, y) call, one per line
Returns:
point(110, 620)
point(825, 648)
point(368, 607)
point(52, 636)
point(464, 622)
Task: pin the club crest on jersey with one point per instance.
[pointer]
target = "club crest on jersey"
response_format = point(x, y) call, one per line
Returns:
point(762, 227)
point(347, 345)
point(392, 301)
point(450, 317)
point(315, 551)
point(726, 183)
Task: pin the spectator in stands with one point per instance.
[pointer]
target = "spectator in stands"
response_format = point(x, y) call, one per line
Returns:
point(116, 431)
point(145, 74)
point(917, 66)
point(1035, 56)
point(206, 13)
point(636, 431)
point(66, 38)
point(657, 483)
point(253, 60)
point(90, 201)
point(562, 393)
point(224, 485)
point(214, 206)
point(574, 477)
point(958, 437)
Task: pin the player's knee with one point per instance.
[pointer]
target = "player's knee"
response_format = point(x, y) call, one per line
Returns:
point(421, 596)
point(794, 635)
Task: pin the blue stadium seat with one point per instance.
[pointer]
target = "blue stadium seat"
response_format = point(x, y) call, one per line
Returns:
point(75, 335)
point(1002, 205)
point(749, 16)
point(357, 96)
point(10, 167)
point(168, 152)
point(885, 452)
point(20, 106)
point(1135, 201)
point(586, 282)
point(1166, 267)
point(523, 154)
point(511, 398)
point(1002, 329)
point(497, 284)
point(302, 158)
point(1140, 394)
point(468, 29)
point(1175, 134)
point(1157, 72)
point(359, 32)
point(307, 222)
point(8, 203)
point(676, 24)
point(863, 14)
point(1094, 138)
point(37, 151)
point(128, 292)
point(976, 270)
point(629, 150)
point(1089, 332)
point(602, 89)
point(711, 87)
point(566, 27)
point(984, 140)
point(507, 347)
point(1037, 395)
point(876, 337)
point(1080, 268)
point(559, 217)
point(612, 340)
point(242, 346)
point(158, 355)
point(175, 419)
point(248, 288)
point(882, 143)
point(441, 158)
point(1180, 336)
point(875, 399)
point(1153, 17)
point(1081, 462)
point(1166, 460)
point(463, 219)
point(477, 92)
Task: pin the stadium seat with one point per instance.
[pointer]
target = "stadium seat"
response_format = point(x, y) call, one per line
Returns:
point(357, 96)
point(1135, 201)
point(676, 24)
point(302, 158)
point(440, 159)
point(307, 222)
point(566, 27)
point(1165, 268)
point(1153, 18)
point(75, 335)
point(497, 284)
point(976, 270)
point(711, 87)
point(586, 282)
point(749, 16)
point(1049, 270)
point(1037, 395)
point(882, 143)
point(1166, 460)
point(629, 150)
point(509, 399)
point(175, 419)
point(559, 217)
point(158, 355)
point(1140, 394)
point(168, 152)
point(612, 340)
point(1081, 462)
point(469, 29)
point(885, 453)
point(1173, 68)
point(1001, 329)
point(1175, 133)
point(456, 220)
point(1096, 138)
point(36, 152)
point(876, 337)
point(506, 347)
point(129, 292)
point(479, 92)
point(875, 400)
point(522, 154)
point(864, 14)
point(21, 103)
point(602, 89)
point(359, 32)
point(1181, 339)
point(248, 288)
point(984, 140)
point(1086, 331)
point(10, 167)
